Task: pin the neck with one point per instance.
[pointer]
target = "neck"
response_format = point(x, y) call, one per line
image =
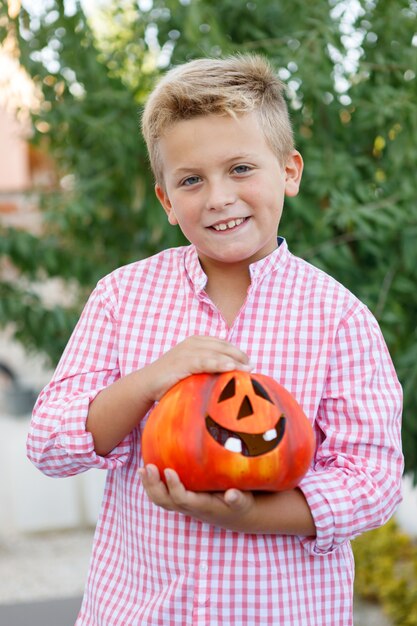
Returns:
point(218, 272)
point(227, 287)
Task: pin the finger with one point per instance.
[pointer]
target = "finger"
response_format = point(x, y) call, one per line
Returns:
point(227, 349)
point(150, 474)
point(176, 489)
point(219, 363)
point(237, 500)
point(198, 504)
point(154, 486)
point(218, 357)
point(205, 344)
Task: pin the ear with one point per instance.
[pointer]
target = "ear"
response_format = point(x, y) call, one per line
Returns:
point(166, 204)
point(293, 173)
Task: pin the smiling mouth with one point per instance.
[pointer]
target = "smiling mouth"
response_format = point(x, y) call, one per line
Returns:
point(246, 444)
point(230, 224)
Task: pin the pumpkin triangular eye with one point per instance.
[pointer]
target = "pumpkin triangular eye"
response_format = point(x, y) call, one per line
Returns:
point(229, 391)
point(260, 391)
point(245, 408)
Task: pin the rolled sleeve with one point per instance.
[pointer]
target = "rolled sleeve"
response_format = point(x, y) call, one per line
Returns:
point(355, 482)
point(325, 511)
point(78, 443)
point(63, 447)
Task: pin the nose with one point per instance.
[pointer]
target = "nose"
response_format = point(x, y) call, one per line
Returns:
point(220, 194)
point(246, 409)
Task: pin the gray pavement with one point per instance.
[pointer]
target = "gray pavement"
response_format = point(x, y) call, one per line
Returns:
point(61, 612)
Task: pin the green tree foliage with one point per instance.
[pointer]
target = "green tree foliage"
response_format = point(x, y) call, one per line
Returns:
point(350, 70)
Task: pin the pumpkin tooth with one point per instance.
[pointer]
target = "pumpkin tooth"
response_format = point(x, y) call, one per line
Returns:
point(233, 444)
point(270, 435)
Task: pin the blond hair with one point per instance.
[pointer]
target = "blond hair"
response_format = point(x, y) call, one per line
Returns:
point(235, 85)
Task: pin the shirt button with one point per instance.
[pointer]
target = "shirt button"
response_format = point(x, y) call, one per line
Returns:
point(204, 567)
point(202, 599)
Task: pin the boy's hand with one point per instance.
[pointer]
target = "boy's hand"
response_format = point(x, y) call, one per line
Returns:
point(283, 512)
point(227, 510)
point(194, 355)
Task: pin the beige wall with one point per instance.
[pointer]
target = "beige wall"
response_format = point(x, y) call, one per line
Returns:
point(14, 160)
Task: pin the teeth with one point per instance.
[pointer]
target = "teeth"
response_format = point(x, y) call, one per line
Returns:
point(230, 224)
point(233, 444)
point(270, 435)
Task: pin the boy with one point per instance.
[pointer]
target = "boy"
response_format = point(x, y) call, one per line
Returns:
point(221, 148)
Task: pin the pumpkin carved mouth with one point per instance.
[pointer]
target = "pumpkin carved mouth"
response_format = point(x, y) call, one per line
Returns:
point(247, 444)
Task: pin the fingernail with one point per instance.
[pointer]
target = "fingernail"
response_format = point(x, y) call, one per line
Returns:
point(149, 471)
point(246, 367)
point(168, 474)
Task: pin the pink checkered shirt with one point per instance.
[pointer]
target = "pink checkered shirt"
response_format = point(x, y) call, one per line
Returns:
point(298, 325)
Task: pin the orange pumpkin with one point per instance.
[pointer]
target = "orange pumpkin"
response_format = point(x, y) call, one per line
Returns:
point(230, 430)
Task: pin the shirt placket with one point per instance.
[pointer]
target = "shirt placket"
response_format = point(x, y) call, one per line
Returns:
point(202, 580)
point(219, 326)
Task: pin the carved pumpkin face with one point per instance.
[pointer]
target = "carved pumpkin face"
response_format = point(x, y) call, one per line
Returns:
point(230, 430)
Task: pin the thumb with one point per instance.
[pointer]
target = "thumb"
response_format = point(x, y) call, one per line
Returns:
point(235, 499)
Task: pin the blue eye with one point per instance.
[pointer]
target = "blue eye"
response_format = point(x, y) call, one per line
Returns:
point(241, 169)
point(191, 180)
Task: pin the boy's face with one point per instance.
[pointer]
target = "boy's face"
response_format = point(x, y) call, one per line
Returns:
point(225, 187)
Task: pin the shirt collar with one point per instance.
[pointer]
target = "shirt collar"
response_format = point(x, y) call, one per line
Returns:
point(257, 270)
point(194, 270)
point(270, 263)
